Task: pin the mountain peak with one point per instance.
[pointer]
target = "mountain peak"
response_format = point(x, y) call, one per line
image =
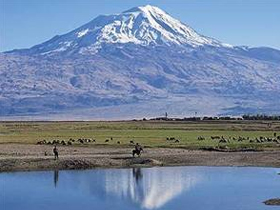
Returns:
point(143, 25)
point(145, 9)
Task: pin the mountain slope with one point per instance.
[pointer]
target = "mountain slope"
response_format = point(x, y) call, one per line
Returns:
point(141, 62)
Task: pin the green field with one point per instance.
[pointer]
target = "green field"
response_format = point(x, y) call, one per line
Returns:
point(148, 133)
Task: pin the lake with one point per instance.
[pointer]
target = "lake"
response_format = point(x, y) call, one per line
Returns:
point(170, 188)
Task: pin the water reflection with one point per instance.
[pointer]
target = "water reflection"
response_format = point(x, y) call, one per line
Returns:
point(147, 188)
point(55, 177)
point(152, 189)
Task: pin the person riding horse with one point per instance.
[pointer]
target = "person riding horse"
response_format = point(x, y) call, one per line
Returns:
point(138, 149)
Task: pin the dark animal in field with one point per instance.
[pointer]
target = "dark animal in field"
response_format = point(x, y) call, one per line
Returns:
point(276, 141)
point(275, 134)
point(200, 138)
point(41, 142)
point(107, 140)
point(252, 141)
point(241, 138)
point(269, 139)
point(118, 142)
point(69, 143)
point(167, 139)
point(55, 142)
point(46, 154)
point(172, 138)
point(87, 140)
point(81, 141)
point(177, 141)
point(131, 142)
point(49, 142)
point(233, 138)
point(224, 141)
point(215, 137)
point(111, 138)
point(63, 142)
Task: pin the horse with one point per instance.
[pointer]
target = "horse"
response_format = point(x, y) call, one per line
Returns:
point(137, 152)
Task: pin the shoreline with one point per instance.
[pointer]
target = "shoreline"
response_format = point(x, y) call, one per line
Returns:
point(23, 157)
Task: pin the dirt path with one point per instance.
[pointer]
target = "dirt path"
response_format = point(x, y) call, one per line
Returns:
point(22, 157)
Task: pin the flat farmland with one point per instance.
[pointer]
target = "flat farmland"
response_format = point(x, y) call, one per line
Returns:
point(147, 133)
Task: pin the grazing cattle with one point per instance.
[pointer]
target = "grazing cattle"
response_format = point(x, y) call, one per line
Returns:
point(215, 137)
point(177, 141)
point(224, 141)
point(172, 138)
point(55, 142)
point(41, 142)
point(81, 141)
point(269, 139)
point(200, 138)
point(111, 138)
point(107, 140)
point(63, 142)
point(131, 142)
point(118, 142)
point(167, 139)
point(69, 143)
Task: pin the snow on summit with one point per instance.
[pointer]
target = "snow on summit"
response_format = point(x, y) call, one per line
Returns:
point(144, 25)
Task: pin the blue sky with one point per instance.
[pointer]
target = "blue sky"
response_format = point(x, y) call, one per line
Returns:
point(24, 23)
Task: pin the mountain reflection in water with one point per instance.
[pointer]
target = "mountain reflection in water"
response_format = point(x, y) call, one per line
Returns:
point(151, 189)
point(163, 188)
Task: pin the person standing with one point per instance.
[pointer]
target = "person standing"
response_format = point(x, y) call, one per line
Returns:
point(55, 151)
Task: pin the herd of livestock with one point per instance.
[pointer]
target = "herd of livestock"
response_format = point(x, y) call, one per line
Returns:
point(260, 139)
point(220, 139)
point(75, 141)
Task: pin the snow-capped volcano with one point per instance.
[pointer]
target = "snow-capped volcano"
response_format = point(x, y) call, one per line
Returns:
point(141, 62)
point(147, 25)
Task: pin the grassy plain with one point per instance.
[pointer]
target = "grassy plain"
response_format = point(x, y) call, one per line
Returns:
point(147, 133)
